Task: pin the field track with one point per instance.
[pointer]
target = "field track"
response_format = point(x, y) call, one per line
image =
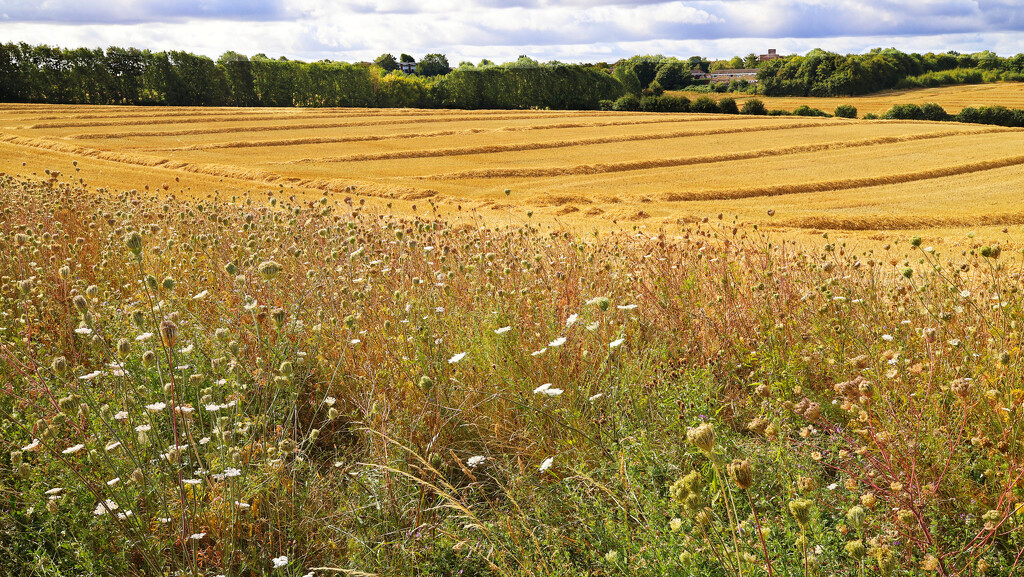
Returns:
point(584, 168)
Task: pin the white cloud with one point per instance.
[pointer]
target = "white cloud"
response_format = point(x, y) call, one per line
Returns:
point(573, 30)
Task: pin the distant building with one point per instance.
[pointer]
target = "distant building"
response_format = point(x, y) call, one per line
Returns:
point(407, 67)
point(729, 74)
point(772, 55)
point(698, 74)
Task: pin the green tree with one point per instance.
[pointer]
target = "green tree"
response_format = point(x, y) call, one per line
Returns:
point(846, 111)
point(673, 75)
point(754, 106)
point(627, 77)
point(433, 65)
point(406, 58)
point(387, 62)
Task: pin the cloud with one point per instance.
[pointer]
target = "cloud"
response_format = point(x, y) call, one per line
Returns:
point(83, 12)
point(570, 30)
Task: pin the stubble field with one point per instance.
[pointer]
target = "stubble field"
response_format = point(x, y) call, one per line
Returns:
point(315, 342)
point(583, 168)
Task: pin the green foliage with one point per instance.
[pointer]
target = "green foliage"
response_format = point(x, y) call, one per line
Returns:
point(728, 106)
point(705, 105)
point(559, 87)
point(387, 62)
point(673, 75)
point(804, 110)
point(665, 103)
point(932, 111)
point(821, 73)
point(904, 112)
point(754, 106)
point(433, 65)
point(997, 115)
point(628, 79)
point(629, 102)
point(654, 89)
point(846, 111)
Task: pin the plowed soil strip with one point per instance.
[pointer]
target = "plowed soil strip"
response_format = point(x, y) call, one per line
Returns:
point(609, 167)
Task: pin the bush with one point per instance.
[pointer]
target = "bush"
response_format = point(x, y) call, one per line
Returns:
point(705, 105)
point(778, 112)
point(871, 116)
point(664, 104)
point(804, 110)
point(904, 112)
point(606, 105)
point(846, 111)
point(998, 115)
point(629, 102)
point(932, 111)
point(654, 89)
point(754, 106)
point(728, 106)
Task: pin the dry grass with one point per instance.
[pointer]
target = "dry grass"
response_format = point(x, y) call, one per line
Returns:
point(586, 168)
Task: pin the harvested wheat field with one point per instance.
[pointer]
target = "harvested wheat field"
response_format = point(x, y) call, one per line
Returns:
point(585, 168)
point(951, 98)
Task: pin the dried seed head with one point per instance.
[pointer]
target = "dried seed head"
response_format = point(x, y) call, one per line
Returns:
point(269, 269)
point(59, 365)
point(124, 346)
point(741, 473)
point(960, 387)
point(133, 240)
point(169, 333)
point(149, 359)
point(702, 437)
point(287, 446)
point(279, 315)
point(801, 510)
point(81, 304)
point(856, 549)
point(855, 516)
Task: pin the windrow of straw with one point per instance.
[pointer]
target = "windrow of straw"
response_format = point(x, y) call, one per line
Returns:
point(303, 126)
point(608, 167)
point(220, 170)
point(498, 148)
point(434, 134)
point(844, 184)
point(897, 222)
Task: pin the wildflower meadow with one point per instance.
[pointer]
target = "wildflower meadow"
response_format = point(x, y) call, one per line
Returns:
point(270, 384)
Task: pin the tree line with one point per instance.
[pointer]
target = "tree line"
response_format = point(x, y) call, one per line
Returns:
point(48, 74)
point(822, 73)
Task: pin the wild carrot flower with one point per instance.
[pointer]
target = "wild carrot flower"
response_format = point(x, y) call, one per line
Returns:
point(280, 561)
point(456, 358)
point(473, 462)
point(546, 464)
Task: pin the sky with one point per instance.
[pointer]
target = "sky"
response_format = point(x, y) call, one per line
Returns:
point(501, 30)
